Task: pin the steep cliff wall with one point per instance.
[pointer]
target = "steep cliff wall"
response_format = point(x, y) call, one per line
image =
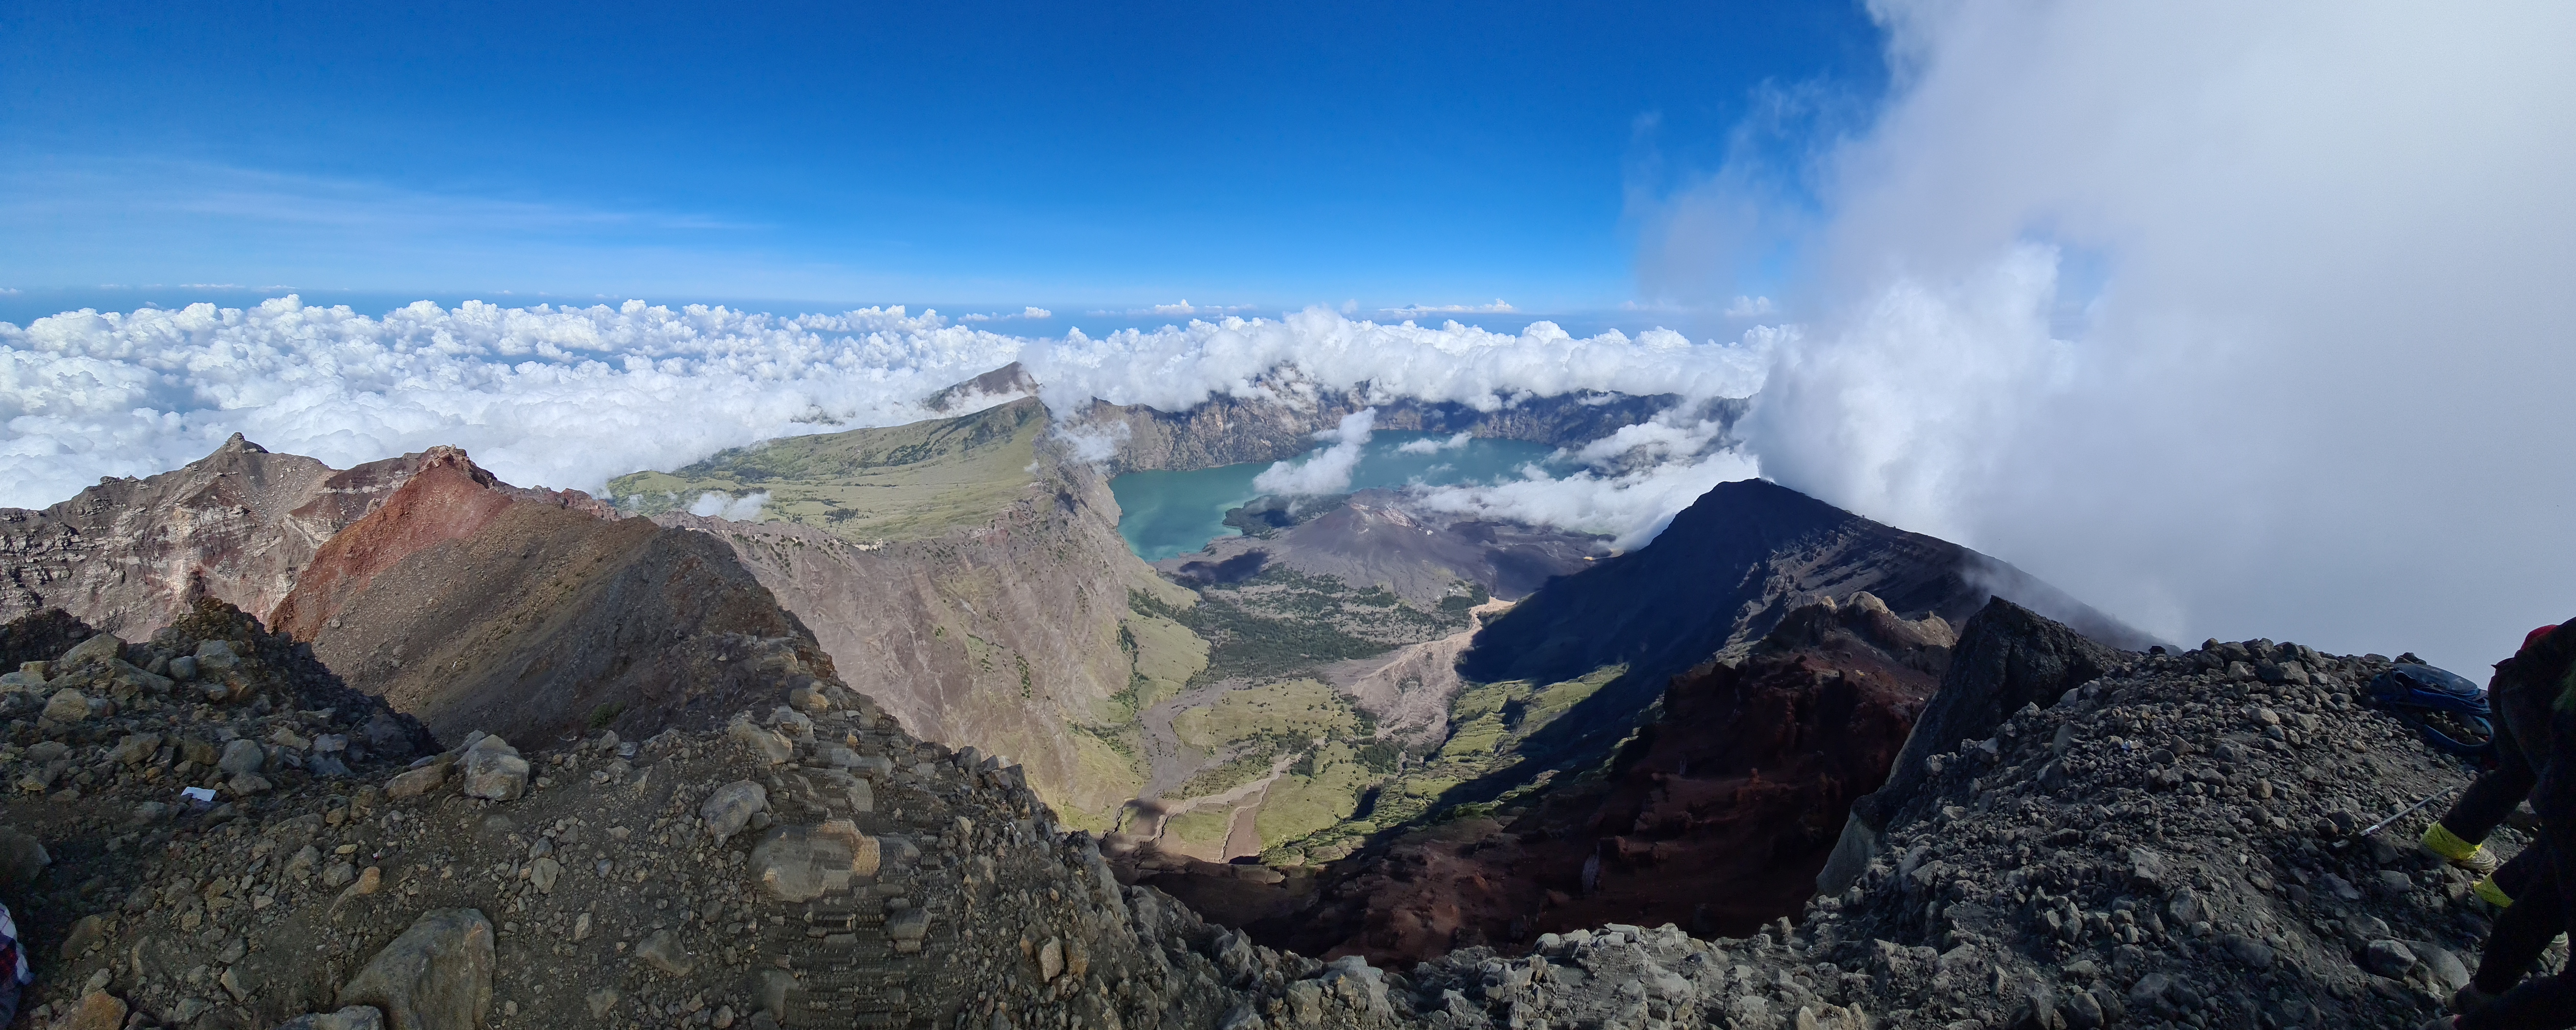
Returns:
point(968, 578)
point(238, 525)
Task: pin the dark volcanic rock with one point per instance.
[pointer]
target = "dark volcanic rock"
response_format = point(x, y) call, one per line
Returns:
point(1728, 569)
point(39, 636)
point(1721, 576)
point(2168, 845)
point(2007, 658)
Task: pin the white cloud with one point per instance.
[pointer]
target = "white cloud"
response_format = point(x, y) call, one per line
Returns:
point(1631, 507)
point(713, 504)
point(1672, 434)
point(1184, 309)
point(1028, 313)
point(2236, 320)
point(1427, 445)
point(1328, 472)
point(1288, 360)
point(560, 397)
point(1093, 443)
point(1749, 307)
point(1498, 307)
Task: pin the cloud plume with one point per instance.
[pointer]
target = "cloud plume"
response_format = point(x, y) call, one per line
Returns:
point(2234, 320)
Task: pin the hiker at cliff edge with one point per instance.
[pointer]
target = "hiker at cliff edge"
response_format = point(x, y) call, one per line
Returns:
point(2534, 696)
point(2459, 836)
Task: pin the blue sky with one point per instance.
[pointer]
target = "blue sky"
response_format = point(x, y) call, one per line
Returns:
point(993, 156)
point(2104, 289)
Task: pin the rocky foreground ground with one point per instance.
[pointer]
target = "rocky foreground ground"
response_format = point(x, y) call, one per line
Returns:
point(812, 866)
point(2152, 840)
point(2166, 841)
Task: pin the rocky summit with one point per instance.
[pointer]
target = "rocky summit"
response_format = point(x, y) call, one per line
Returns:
point(2162, 840)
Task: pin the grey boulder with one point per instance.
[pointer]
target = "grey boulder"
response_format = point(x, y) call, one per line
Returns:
point(355, 1017)
point(494, 770)
point(731, 807)
point(436, 976)
point(242, 756)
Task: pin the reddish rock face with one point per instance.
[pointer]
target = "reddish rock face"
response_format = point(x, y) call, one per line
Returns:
point(1716, 817)
point(474, 604)
point(447, 499)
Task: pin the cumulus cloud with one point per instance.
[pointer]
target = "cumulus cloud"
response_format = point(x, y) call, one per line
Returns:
point(1093, 443)
point(1673, 433)
point(1030, 314)
point(1328, 472)
point(2234, 320)
point(1498, 307)
point(1631, 507)
point(1427, 445)
point(1627, 485)
point(1749, 307)
point(1179, 367)
point(714, 504)
point(1184, 309)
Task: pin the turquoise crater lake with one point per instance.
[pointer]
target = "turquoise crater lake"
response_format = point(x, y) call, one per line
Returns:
point(1167, 514)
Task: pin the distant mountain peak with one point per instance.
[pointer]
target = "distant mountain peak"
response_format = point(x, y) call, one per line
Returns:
point(1008, 382)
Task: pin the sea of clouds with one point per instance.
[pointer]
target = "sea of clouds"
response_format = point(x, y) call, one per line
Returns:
point(572, 396)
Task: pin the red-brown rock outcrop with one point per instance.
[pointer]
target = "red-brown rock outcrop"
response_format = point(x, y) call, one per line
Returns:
point(1715, 817)
point(529, 613)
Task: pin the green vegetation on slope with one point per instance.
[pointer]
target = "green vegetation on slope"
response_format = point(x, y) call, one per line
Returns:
point(1290, 711)
point(1308, 818)
point(866, 485)
point(1164, 653)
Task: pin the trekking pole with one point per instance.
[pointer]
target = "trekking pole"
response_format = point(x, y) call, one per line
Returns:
point(2410, 810)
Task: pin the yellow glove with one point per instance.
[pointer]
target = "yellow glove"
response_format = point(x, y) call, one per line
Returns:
point(2487, 891)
